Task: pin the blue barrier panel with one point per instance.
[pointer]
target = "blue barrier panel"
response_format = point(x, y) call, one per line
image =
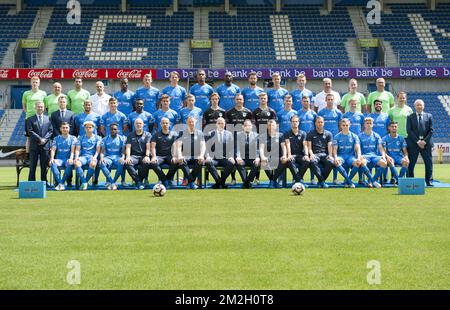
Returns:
point(32, 189)
point(411, 186)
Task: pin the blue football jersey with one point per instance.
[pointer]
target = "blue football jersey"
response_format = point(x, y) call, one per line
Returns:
point(276, 98)
point(345, 143)
point(251, 97)
point(150, 96)
point(284, 119)
point(331, 120)
point(177, 95)
point(124, 101)
point(394, 146)
point(201, 94)
point(63, 146)
point(227, 94)
point(119, 118)
point(370, 143)
point(88, 145)
point(113, 146)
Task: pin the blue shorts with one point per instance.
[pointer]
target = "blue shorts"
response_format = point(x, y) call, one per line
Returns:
point(60, 163)
point(372, 160)
point(347, 160)
point(397, 160)
point(112, 161)
point(85, 160)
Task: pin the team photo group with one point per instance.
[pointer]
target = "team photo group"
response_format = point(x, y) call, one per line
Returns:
point(227, 131)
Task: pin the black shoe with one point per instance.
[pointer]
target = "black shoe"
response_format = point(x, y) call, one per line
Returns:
point(429, 184)
point(246, 185)
point(224, 186)
point(216, 186)
point(69, 184)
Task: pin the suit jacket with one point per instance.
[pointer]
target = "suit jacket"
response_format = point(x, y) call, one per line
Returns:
point(55, 118)
point(253, 148)
point(37, 132)
point(214, 150)
point(412, 128)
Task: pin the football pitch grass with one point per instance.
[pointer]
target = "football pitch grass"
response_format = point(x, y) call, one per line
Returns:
point(226, 239)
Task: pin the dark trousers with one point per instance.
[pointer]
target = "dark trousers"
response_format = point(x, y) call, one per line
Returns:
point(196, 171)
point(142, 169)
point(247, 178)
point(41, 154)
point(164, 160)
point(413, 153)
point(301, 166)
point(227, 168)
point(281, 168)
point(327, 166)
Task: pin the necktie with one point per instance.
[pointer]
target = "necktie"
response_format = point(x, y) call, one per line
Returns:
point(62, 115)
point(40, 120)
point(421, 129)
point(247, 146)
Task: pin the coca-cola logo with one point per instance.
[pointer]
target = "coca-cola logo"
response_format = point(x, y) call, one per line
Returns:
point(44, 74)
point(85, 74)
point(133, 74)
point(4, 74)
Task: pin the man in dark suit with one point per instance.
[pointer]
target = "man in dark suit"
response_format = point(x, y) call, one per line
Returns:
point(40, 130)
point(419, 127)
point(220, 146)
point(247, 154)
point(62, 116)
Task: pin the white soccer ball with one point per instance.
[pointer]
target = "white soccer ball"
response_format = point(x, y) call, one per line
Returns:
point(298, 188)
point(159, 190)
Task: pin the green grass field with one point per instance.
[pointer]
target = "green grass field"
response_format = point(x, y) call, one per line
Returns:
point(232, 239)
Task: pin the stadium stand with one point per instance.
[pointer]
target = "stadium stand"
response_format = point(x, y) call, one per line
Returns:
point(18, 138)
point(420, 36)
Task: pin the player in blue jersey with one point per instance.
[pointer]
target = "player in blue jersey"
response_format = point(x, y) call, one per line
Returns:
point(332, 116)
point(176, 92)
point(306, 115)
point(87, 150)
point(201, 91)
point(124, 97)
point(356, 118)
point(285, 115)
point(87, 115)
point(396, 152)
point(276, 94)
point(146, 117)
point(347, 154)
point(112, 155)
point(227, 92)
point(191, 111)
point(372, 150)
point(380, 119)
point(61, 155)
point(111, 117)
point(149, 94)
point(300, 92)
point(166, 112)
point(251, 92)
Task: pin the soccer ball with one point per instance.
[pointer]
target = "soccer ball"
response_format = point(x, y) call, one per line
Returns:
point(159, 190)
point(298, 188)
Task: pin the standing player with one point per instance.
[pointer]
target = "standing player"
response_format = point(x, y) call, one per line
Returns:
point(331, 116)
point(113, 117)
point(164, 152)
point(320, 147)
point(300, 92)
point(124, 98)
point(372, 150)
point(380, 119)
point(61, 155)
point(137, 153)
point(112, 155)
point(149, 94)
point(166, 112)
point(77, 96)
point(386, 98)
point(87, 150)
point(356, 118)
point(227, 92)
point(251, 92)
point(276, 94)
point(191, 111)
point(211, 114)
point(263, 113)
point(320, 100)
point(202, 91)
point(396, 152)
point(297, 149)
point(51, 101)
point(88, 115)
point(307, 118)
point(146, 117)
point(400, 113)
point(100, 100)
point(361, 104)
point(247, 154)
point(176, 93)
point(285, 115)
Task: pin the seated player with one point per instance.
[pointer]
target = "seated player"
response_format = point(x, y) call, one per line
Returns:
point(191, 151)
point(396, 152)
point(372, 150)
point(247, 154)
point(112, 155)
point(86, 153)
point(163, 152)
point(273, 154)
point(221, 153)
point(137, 153)
point(297, 149)
point(320, 149)
point(61, 155)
